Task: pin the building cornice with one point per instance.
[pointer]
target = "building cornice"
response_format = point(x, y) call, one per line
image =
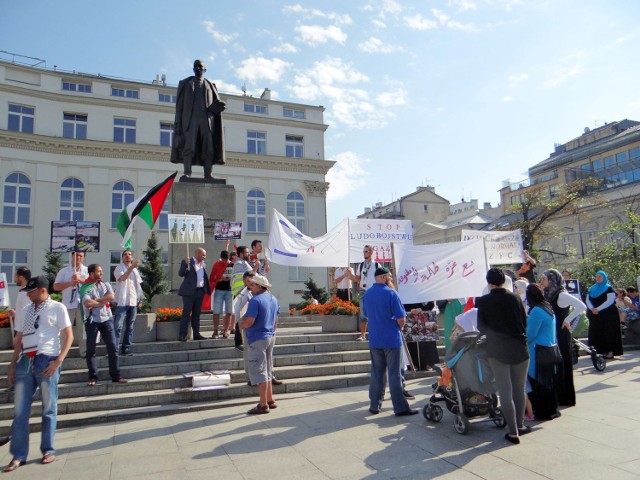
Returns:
point(127, 151)
point(316, 189)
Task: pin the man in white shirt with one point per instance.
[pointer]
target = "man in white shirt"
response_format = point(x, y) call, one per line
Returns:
point(365, 277)
point(343, 282)
point(129, 296)
point(68, 282)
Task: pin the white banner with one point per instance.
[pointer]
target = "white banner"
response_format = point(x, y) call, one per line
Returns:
point(289, 246)
point(437, 272)
point(4, 293)
point(502, 247)
point(380, 234)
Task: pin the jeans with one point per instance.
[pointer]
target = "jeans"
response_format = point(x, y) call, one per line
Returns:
point(29, 378)
point(108, 335)
point(191, 308)
point(129, 314)
point(386, 360)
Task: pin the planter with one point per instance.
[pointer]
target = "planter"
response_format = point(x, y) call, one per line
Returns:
point(144, 328)
point(338, 323)
point(5, 339)
point(167, 331)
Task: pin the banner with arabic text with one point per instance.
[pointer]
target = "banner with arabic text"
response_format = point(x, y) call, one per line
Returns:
point(442, 271)
point(503, 248)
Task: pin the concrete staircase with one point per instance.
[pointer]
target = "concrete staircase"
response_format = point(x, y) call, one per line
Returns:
point(305, 359)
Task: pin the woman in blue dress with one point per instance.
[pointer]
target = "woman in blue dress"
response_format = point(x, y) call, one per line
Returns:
point(541, 330)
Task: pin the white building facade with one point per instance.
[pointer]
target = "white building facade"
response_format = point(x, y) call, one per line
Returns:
point(80, 147)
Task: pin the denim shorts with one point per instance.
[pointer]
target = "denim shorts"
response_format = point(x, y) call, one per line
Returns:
point(220, 298)
point(259, 360)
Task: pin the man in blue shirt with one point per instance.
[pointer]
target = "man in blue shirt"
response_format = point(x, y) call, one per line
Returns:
point(386, 315)
point(260, 327)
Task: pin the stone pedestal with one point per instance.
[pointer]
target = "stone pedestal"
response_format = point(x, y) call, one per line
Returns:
point(338, 323)
point(5, 339)
point(216, 203)
point(144, 328)
point(167, 331)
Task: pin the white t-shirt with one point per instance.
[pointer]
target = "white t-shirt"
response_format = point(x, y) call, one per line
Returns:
point(128, 292)
point(70, 295)
point(367, 274)
point(345, 283)
point(22, 300)
point(52, 318)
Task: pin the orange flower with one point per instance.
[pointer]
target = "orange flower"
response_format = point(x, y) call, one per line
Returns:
point(335, 306)
point(168, 314)
point(4, 320)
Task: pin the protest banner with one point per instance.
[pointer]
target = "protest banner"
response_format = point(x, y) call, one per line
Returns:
point(379, 233)
point(437, 272)
point(186, 229)
point(503, 248)
point(227, 230)
point(289, 246)
point(75, 236)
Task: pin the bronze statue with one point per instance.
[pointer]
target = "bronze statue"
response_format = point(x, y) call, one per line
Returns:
point(198, 132)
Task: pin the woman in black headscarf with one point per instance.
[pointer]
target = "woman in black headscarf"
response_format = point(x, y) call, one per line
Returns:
point(561, 301)
point(604, 320)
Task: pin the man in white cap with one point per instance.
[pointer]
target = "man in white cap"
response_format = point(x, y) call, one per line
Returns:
point(260, 327)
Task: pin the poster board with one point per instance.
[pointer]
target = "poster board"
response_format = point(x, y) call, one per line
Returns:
point(186, 228)
point(227, 230)
point(75, 236)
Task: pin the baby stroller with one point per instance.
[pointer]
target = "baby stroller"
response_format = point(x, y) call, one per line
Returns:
point(466, 385)
point(579, 326)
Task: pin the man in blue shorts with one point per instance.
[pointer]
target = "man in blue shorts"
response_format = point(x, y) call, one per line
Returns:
point(260, 327)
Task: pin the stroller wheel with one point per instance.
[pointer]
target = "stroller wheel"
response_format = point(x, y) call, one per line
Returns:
point(498, 418)
point(426, 412)
point(436, 413)
point(461, 424)
point(599, 362)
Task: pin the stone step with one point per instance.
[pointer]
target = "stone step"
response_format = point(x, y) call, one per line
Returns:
point(122, 405)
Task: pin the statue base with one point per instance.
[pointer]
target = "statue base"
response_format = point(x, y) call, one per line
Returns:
point(216, 181)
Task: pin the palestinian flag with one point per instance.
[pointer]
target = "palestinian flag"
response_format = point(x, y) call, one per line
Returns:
point(147, 208)
point(82, 290)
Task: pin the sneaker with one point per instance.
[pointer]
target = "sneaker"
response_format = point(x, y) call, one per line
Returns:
point(361, 339)
point(126, 353)
point(408, 395)
point(240, 348)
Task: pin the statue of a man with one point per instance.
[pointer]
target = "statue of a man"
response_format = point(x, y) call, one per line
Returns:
point(198, 133)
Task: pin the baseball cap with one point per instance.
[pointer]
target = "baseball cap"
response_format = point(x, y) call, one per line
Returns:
point(36, 282)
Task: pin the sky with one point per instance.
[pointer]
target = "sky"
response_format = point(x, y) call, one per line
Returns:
point(461, 95)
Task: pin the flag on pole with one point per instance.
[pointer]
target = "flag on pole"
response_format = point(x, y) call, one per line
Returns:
point(147, 207)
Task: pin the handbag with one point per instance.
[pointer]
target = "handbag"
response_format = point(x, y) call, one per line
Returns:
point(546, 356)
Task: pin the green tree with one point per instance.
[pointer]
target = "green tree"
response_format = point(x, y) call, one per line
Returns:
point(319, 294)
point(52, 265)
point(618, 252)
point(154, 280)
point(537, 207)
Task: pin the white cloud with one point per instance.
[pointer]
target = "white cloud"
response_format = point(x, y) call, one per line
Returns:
point(393, 98)
point(227, 87)
point(216, 35)
point(378, 23)
point(445, 20)
point(339, 19)
point(562, 76)
point(285, 48)
point(418, 22)
point(463, 5)
point(375, 45)
point(260, 68)
point(507, 98)
point(347, 175)
point(516, 79)
point(314, 35)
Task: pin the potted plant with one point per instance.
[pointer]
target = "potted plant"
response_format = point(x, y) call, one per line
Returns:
point(336, 315)
point(5, 331)
point(168, 324)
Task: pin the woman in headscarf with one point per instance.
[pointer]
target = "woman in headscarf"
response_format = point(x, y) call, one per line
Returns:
point(541, 330)
point(561, 301)
point(451, 311)
point(604, 320)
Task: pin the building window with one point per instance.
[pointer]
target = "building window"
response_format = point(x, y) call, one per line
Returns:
point(292, 113)
point(72, 200)
point(298, 274)
point(256, 143)
point(566, 243)
point(163, 97)
point(76, 87)
point(74, 126)
point(166, 134)
point(295, 210)
point(10, 260)
point(21, 118)
point(256, 212)
point(124, 92)
point(163, 219)
point(294, 146)
point(254, 108)
point(597, 165)
point(124, 130)
point(622, 158)
point(609, 161)
point(425, 208)
point(115, 259)
point(17, 199)
point(634, 154)
point(121, 196)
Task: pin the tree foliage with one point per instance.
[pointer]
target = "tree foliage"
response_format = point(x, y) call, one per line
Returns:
point(318, 293)
point(617, 253)
point(52, 265)
point(154, 280)
point(536, 208)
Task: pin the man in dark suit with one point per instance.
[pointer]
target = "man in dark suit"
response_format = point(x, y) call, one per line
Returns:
point(192, 290)
point(199, 138)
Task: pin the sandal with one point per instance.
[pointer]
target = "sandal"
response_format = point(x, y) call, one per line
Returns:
point(215, 335)
point(272, 404)
point(48, 458)
point(259, 410)
point(13, 464)
point(225, 335)
point(91, 383)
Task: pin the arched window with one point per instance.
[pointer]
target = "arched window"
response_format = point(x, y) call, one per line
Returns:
point(295, 210)
point(256, 211)
point(16, 199)
point(121, 196)
point(72, 200)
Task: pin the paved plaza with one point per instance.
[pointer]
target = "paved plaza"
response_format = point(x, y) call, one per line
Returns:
point(331, 435)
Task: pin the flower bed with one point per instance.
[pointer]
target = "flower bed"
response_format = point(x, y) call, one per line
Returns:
point(168, 314)
point(335, 306)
